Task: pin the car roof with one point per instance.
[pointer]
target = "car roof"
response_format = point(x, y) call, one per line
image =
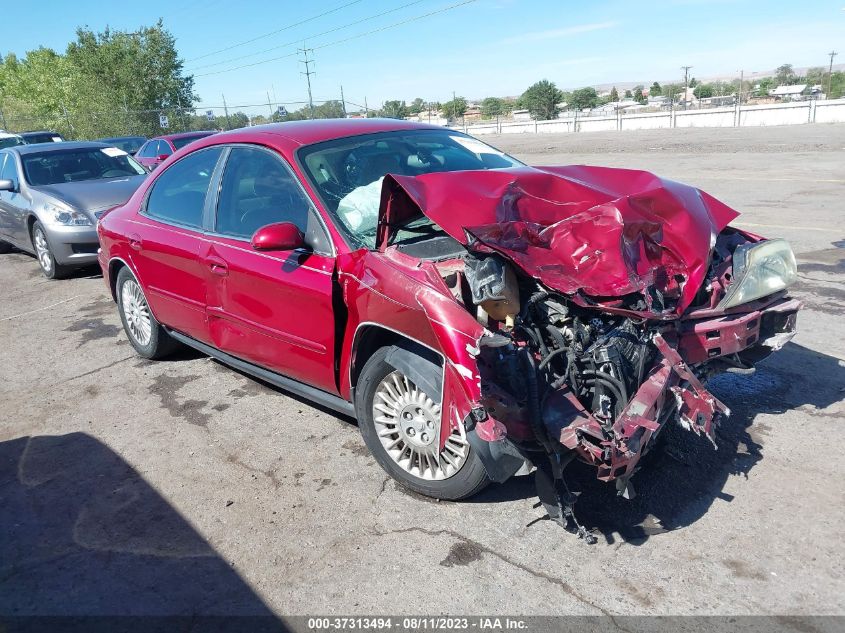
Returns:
point(39, 132)
point(118, 138)
point(37, 148)
point(318, 130)
point(172, 137)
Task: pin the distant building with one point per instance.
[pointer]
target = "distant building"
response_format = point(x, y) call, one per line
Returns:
point(521, 115)
point(788, 93)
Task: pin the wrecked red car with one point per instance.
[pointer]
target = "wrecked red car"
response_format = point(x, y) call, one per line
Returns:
point(476, 315)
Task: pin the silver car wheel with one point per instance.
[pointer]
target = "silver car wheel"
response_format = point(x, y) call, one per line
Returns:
point(407, 423)
point(42, 251)
point(136, 312)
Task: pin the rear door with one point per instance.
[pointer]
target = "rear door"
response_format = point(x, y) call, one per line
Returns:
point(166, 240)
point(147, 153)
point(273, 309)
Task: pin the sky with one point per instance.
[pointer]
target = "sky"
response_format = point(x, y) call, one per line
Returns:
point(402, 49)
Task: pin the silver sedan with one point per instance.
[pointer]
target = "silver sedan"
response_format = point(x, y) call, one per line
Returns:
point(51, 196)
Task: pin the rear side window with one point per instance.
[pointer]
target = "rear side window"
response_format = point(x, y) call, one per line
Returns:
point(163, 149)
point(178, 194)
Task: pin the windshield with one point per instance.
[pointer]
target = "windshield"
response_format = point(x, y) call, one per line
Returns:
point(75, 165)
point(347, 173)
point(179, 143)
point(10, 141)
point(129, 144)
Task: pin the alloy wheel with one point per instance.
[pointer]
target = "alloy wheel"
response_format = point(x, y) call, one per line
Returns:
point(42, 250)
point(407, 423)
point(136, 312)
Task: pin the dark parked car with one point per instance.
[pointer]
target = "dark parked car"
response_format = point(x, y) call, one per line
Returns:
point(129, 144)
point(52, 195)
point(473, 313)
point(157, 149)
point(41, 136)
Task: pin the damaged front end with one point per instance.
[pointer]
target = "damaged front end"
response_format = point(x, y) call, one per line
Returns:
point(607, 299)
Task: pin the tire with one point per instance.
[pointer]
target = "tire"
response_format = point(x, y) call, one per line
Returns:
point(49, 266)
point(145, 334)
point(438, 478)
point(5, 247)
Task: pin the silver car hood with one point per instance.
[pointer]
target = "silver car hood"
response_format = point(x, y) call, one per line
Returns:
point(93, 195)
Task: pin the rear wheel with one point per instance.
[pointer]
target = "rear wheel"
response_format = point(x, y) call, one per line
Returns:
point(49, 266)
point(400, 424)
point(146, 334)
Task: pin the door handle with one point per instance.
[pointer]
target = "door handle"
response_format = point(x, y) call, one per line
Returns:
point(217, 266)
point(135, 242)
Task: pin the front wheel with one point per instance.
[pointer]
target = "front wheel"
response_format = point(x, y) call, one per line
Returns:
point(146, 334)
point(400, 425)
point(46, 259)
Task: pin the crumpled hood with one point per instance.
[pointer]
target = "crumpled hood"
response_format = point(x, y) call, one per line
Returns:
point(594, 231)
point(93, 195)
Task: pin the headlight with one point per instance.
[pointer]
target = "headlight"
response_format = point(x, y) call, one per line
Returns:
point(759, 270)
point(65, 216)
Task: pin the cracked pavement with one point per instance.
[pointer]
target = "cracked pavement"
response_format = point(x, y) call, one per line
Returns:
point(182, 486)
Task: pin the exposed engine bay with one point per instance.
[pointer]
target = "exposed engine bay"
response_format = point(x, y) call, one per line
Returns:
point(572, 380)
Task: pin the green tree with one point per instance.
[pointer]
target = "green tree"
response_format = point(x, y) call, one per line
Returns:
point(638, 94)
point(693, 82)
point(655, 90)
point(105, 84)
point(785, 75)
point(614, 95)
point(455, 108)
point(704, 91)
point(816, 75)
point(394, 110)
point(492, 107)
point(541, 100)
point(417, 106)
point(629, 94)
point(584, 98)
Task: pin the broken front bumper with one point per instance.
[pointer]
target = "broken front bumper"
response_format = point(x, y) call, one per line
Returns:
point(670, 390)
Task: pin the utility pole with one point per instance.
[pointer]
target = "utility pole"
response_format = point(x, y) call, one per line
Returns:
point(686, 83)
point(830, 72)
point(741, 78)
point(308, 72)
point(269, 106)
point(226, 110)
point(343, 102)
point(366, 109)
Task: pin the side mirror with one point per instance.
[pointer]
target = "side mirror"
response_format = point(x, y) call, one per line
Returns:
point(162, 157)
point(7, 185)
point(282, 236)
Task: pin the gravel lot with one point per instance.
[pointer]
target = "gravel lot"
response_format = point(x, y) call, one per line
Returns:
point(129, 486)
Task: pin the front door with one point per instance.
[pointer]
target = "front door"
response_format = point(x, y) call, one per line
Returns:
point(14, 206)
point(273, 309)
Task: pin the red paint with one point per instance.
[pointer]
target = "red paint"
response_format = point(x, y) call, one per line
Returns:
point(595, 233)
point(283, 236)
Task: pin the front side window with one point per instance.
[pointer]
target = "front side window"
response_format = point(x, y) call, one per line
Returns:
point(163, 149)
point(347, 172)
point(257, 190)
point(8, 169)
point(178, 194)
point(75, 165)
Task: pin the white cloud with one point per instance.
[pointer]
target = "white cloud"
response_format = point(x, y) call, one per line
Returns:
point(552, 34)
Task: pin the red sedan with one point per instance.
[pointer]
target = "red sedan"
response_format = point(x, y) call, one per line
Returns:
point(152, 153)
point(476, 315)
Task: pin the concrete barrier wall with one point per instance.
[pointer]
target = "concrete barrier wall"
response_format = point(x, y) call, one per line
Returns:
point(748, 115)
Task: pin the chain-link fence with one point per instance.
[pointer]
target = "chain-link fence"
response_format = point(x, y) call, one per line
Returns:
point(89, 125)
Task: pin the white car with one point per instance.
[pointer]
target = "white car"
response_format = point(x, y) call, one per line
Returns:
point(10, 140)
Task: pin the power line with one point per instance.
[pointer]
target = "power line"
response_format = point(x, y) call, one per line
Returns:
point(342, 41)
point(296, 41)
point(284, 28)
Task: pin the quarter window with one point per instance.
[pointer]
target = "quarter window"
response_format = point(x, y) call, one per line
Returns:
point(178, 194)
point(257, 190)
point(148, 151)
point(8, 169)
